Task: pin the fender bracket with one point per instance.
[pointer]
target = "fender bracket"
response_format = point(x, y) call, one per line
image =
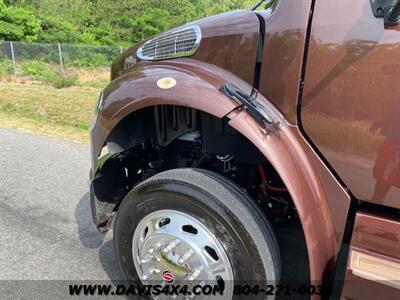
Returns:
point(386, 9)
point(250, 104)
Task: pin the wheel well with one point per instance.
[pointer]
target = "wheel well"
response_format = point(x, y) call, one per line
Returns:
point(158, 138)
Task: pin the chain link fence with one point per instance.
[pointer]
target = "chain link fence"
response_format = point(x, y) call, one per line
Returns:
point(63, 55)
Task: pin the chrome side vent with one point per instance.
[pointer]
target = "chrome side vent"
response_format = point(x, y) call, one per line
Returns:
point(172, 44)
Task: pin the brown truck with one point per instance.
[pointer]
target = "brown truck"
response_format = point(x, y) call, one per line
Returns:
point(257, 149)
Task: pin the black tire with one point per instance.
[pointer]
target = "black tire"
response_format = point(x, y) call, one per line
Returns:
point(226, 210)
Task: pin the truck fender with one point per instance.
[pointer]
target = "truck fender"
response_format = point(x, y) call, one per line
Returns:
point(183, 82)
point(320, 200)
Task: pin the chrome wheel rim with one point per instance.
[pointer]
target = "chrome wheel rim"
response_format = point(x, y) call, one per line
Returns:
point(172, 247)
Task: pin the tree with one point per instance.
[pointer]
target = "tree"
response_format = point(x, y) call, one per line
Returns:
point(54, 30)
point(153, 21)
point(102, 22)
point(18, 24)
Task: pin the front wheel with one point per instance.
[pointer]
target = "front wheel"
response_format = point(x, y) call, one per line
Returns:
point(194, 227)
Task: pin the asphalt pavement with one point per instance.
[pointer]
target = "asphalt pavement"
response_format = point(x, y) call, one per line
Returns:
point(46, 229)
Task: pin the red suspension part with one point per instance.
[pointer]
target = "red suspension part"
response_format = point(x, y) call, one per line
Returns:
point(266, 187)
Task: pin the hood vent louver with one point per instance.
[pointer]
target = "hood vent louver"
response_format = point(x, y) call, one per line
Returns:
point(172, 44)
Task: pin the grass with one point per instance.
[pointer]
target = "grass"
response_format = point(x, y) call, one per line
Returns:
point(40, 100)
point(41, 128)
point(36, 70)
point(46, 110)
point(98, 78)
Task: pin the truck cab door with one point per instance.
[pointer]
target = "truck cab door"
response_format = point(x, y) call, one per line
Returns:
point(350, 107)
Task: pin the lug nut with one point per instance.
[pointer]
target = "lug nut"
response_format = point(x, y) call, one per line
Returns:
point(171, 246)
point(147, 275)
point(185, 256)
point(195, 274)
point(154, 248)
point(146, 259)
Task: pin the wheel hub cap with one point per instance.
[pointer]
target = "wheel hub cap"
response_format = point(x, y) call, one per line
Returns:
point(171, 247)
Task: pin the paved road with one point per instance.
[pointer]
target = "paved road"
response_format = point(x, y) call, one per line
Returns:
point(46, 231)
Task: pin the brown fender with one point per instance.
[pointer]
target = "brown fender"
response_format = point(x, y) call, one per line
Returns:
point(197, 85)
point(321, 202)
